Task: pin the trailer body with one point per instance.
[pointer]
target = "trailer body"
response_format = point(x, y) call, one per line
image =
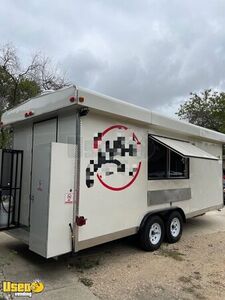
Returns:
point(93, 167)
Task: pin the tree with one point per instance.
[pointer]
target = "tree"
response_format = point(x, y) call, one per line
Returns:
point(19, 83)
point(206, 109)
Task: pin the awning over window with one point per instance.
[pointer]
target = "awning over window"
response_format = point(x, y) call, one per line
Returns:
point(185, 149)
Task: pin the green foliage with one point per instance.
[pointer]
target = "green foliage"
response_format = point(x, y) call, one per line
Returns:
point(19, 83)
point(15, 90)
point(5, 139)
point(27, 88)
point(206, 109)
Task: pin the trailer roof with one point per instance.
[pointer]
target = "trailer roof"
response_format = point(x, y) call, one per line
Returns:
point(72, 95)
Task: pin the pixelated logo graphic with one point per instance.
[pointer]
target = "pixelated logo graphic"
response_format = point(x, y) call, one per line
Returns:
point(118, 151)
point(22, 289)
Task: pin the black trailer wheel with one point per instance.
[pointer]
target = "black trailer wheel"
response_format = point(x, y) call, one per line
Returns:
point(152, 234)
point(174, 227)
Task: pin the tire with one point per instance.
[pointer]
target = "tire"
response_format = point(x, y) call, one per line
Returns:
point(152, 234)
point(174, 227)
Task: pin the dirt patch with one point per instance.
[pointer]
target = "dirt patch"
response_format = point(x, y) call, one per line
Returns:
point(172, 253)
point(190, 269)
point(86, 281)
point(84, 263)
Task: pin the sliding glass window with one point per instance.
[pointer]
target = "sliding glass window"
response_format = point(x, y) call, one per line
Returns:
point(164, 163)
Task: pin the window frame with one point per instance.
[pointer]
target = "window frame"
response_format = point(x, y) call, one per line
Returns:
point(168, 159)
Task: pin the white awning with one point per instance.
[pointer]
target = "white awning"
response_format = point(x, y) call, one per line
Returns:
point(185, 149)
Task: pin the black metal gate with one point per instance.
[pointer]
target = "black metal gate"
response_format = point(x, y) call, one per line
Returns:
point(11, 162)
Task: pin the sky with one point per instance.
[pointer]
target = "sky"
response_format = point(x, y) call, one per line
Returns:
point(152, 53)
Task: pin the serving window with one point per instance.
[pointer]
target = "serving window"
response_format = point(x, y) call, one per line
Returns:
point(164, 163)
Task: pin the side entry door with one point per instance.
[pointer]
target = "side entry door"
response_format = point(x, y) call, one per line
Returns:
point(44, 133)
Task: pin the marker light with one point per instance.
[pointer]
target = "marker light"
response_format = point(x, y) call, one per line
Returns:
point(72, 99)
point(29, 114)
point(80, 221)
point(81, 99)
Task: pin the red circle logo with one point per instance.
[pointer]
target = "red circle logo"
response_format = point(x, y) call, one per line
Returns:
point(109, 155)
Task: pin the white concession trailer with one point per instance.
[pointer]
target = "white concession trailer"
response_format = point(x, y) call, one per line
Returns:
point(86, 169)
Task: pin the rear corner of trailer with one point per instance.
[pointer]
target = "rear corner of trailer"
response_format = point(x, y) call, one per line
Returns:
point(44, 131)
point(206, 179)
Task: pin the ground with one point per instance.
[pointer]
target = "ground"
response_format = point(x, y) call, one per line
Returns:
point(193, 268)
